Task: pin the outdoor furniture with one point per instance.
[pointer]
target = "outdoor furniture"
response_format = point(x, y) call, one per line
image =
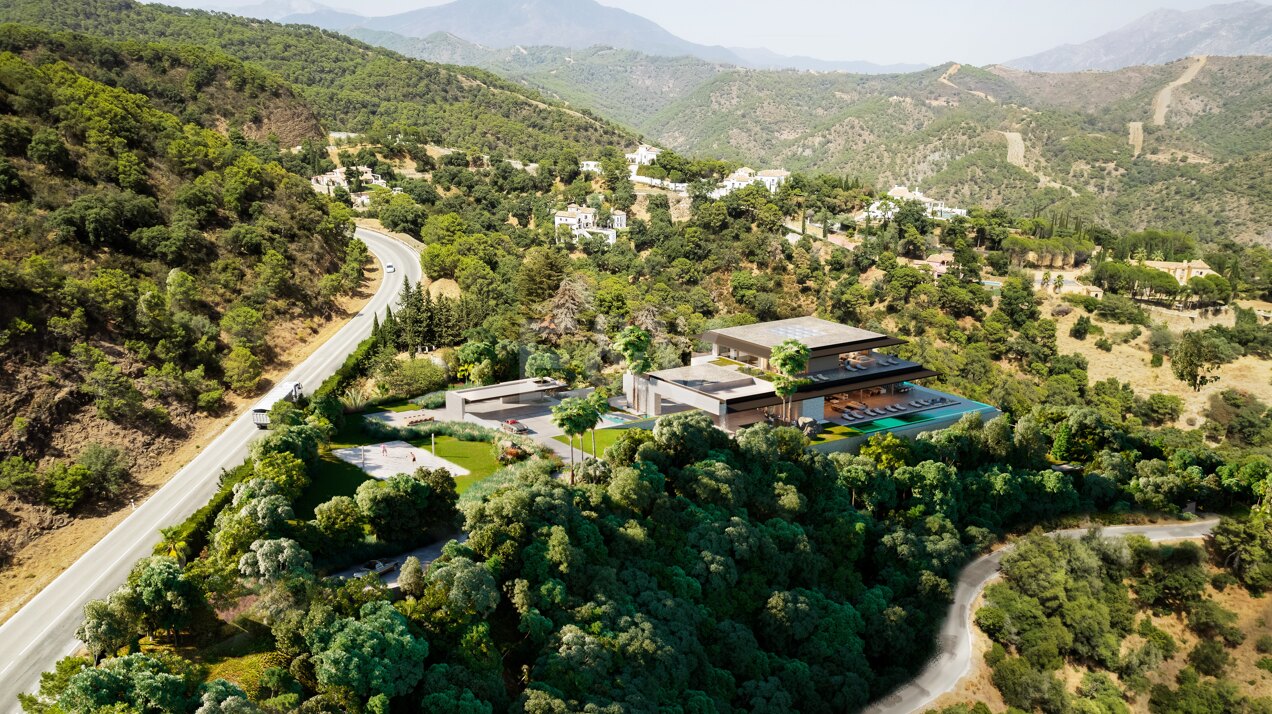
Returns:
point(414, 421)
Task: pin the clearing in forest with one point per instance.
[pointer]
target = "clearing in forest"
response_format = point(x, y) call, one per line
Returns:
point(1136, 129)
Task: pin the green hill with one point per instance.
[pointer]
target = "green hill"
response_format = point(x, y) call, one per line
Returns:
point(350, 85)
point(942, 128)
point(149, 261)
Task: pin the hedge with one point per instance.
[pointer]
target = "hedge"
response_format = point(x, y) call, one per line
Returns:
point(194, 530)
point(354, 365)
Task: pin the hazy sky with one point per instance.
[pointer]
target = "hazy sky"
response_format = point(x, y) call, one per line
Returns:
point(928, 31)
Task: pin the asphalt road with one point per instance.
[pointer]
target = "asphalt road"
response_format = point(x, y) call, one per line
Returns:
point(44, 630)
point(954, 658)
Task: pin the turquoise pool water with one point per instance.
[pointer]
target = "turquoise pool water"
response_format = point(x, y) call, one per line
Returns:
point(904, 420)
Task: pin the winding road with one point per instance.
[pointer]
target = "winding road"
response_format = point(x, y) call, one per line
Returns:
point(954, 661)
point(43, 631)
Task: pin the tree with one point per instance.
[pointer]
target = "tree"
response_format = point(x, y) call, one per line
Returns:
point(542, 363)
point(373, 654)
point(107, 626)
point(411, 578)
point(790, 359)
point(633, 342)
point(242, 370)
point(574, 416)
point(245, 327)
point(271, 560)
point(162, 595)
point(340, 520)
point(1194, 355)
point(286, 470)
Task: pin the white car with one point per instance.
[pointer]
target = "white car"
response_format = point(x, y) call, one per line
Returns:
point(388, 268)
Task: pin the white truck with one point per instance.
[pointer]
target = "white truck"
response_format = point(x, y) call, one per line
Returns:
point(285, 391)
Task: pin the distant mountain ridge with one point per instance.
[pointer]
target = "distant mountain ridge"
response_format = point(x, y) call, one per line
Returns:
point(1239, 28)
point(573, 24)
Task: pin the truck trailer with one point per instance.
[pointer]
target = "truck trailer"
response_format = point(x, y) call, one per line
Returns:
point(286, 391)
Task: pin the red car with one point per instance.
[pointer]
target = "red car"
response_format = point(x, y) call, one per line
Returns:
point(512, 426)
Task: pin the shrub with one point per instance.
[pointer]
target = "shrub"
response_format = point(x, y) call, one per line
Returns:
point(1210, 658)
point(107, 468)
point(1157, 360)
point(1081, 328)
point(1104, 344)
point(1263, 645)
point(410, 378)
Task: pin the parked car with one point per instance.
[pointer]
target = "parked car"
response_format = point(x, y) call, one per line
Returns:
point(388, 268)
point(375, 566)
point(512, 426)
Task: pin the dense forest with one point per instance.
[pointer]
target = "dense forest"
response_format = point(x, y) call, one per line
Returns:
point(1106, 605)
point(144, 258)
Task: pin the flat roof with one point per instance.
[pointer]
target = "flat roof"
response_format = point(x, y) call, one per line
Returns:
point(721, 382)
point(506, 389)
point(814, 332)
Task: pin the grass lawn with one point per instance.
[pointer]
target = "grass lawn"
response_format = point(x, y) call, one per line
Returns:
point(399, 405)
point(604, 437)
point(476, 456)
point(330, 477)
point(239, 659)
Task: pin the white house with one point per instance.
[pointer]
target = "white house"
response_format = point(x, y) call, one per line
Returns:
point(576, 217)
point(618, 220)
point(935, 208)
point(644, 155)
point(327, 183)
point(773, 178)
point(590, 166)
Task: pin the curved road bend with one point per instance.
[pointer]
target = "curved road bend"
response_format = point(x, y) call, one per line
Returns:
point(43, 631)
point(954, 660)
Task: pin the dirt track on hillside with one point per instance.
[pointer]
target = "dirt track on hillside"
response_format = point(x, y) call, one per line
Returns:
point(1136, 129)
point(1161, 101)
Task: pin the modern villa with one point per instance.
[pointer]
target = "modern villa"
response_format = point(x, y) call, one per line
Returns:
point(850, 388)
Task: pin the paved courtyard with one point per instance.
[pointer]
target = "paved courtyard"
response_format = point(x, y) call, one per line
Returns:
point(394, 457)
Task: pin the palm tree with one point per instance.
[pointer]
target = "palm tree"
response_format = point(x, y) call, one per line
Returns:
point(574, 416)
point(173, 544)
point(600, 405)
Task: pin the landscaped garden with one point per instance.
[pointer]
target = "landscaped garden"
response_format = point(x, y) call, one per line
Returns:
point(605, 438)
point(333, 476)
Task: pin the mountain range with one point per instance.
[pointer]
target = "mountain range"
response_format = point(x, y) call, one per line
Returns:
point(572, 24)
point(1239, 28)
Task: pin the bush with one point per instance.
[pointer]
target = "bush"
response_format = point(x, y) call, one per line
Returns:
point(1157, 360)
point(107, 468)
point(1104, 344)
point(1124, 310)
point(1081, 328)
point(1210, 658)
point(1263, 645)
point(410, 378)
point(432, 400)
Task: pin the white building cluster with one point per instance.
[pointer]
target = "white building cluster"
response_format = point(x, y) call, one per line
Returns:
point(646, 155)
point(328, 182)
point(581, 221)
point(772, 179)
point(885, 209)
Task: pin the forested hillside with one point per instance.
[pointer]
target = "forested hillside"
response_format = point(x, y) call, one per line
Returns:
point(350, 85)
point(944, 128)
point(149, 262)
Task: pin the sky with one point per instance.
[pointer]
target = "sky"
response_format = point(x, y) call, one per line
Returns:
point(931, 32)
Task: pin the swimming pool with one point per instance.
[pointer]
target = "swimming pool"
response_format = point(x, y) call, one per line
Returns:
point(895, 422)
